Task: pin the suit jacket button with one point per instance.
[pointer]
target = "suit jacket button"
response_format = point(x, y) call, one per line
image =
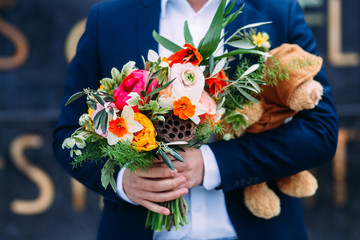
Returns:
point(249, 181)
point(242, 183)
point(236, 184)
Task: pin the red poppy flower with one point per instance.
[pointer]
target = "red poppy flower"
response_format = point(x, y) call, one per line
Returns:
point(217, 83)
point(189, 54)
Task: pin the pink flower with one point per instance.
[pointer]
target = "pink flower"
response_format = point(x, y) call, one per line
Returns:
point(210, 105)
point(134, 82)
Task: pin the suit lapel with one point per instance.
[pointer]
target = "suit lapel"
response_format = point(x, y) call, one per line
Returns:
point(147, 20)
point(239, 21)
point(231, 28)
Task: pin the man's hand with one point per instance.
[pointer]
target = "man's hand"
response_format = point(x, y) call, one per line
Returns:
point(192, 168)
point(160, 184)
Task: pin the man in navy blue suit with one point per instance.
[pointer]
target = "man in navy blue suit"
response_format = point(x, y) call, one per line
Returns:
point(119, 31)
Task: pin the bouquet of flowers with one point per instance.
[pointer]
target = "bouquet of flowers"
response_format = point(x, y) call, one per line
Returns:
point(170, 105)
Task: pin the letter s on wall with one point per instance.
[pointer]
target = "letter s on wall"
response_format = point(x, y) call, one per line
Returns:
point(38, 176)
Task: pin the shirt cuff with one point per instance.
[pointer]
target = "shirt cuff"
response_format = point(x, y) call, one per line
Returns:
point(212, 177)
point(119, 187)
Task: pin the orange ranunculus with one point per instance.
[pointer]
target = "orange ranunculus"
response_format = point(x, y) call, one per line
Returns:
point(144, 139)
point(217, 82)
point(189, 54)
point(183, 108)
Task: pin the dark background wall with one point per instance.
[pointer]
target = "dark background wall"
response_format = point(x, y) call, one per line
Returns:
point(38, 200)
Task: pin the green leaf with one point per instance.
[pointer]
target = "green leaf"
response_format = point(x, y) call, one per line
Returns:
point(255, 85)
point(234, 101)
point(75, 97)
point(243, 51)
point(250, 70)
point(89, 127)
point(96, 121)
point(166, 159)
point(116, 75)
point(176, 155)
point(125, 71)
point(187, 34)
point(143, 93)
point(212, 37)
point(113, 183)
point(228, 9)
point(91, 104)
point(99, 99)
point(211, 64)
point(109, 99)
point(253, 25)
point(166, 43)
point(247, 87)
point(248, 96)
point(243, 44)
point(232, 17)
point(103, 121)
point(157, 90)
point(152, 77)
point(220, 65)
point(107, 173)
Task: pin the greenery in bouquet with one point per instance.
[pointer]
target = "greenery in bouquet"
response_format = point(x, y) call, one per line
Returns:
point(170, 105)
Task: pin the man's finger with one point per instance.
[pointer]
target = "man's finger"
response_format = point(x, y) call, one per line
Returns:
point(155, 207)
point(159, 185)
point(160, 171)
point(164, 196)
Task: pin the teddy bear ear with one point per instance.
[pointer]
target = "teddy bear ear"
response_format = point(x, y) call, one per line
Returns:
point(298, 65)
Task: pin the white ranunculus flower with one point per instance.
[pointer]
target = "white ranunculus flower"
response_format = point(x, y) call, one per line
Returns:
point(189, 81)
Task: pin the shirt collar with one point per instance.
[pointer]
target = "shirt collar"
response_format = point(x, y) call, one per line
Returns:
point(165, 2)
point(163, 7)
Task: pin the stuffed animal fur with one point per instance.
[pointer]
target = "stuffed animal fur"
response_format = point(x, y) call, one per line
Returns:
point(278, 104)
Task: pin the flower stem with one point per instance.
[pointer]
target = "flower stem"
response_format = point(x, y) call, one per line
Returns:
point(178, 211)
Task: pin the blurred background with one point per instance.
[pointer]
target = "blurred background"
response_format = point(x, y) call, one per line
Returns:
point(38, 200)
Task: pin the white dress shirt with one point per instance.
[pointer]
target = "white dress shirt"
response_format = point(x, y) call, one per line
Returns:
point(208, 218)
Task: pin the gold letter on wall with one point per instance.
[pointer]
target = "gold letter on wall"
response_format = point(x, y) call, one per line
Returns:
point(17, 39)
point(39, 177)
point(339, 166)
point(73, 38)
point(78, 195)
point(336, 56)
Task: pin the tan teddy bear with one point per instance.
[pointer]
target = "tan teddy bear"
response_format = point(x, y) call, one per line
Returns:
point(278, 104)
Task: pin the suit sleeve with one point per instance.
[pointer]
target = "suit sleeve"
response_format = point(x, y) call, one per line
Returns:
point(307, 141)
point(84, 71)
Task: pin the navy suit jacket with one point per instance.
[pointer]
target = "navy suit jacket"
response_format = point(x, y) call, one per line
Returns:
point(119, 31)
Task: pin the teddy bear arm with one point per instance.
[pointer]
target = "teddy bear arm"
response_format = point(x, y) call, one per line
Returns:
point(306, 96)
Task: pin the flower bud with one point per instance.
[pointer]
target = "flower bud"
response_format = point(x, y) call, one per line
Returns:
point(85, 118)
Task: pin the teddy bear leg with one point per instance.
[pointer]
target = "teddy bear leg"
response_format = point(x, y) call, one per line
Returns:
point(302, 184)
point(262, 201)
point(306, 96)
